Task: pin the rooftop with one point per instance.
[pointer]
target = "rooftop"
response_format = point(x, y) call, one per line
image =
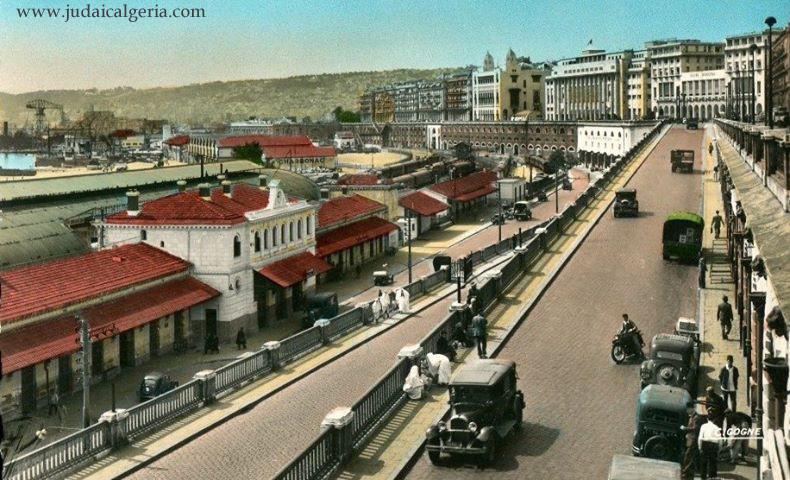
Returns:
point(469, 187)
point(294, 269)
point(345, 208)
point(358, 179)
point(37, 289)
point(352, 234)
point(265, 141)
point(422, 203)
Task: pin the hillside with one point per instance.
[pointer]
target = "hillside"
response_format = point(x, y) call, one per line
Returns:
point(306, 95)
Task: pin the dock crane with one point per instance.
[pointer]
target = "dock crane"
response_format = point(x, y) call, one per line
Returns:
point(40, 106)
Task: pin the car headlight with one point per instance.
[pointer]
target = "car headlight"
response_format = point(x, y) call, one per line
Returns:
point(472, 427)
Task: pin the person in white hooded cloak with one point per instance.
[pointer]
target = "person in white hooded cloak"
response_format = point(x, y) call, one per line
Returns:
point(439, 368)
point(414, 385)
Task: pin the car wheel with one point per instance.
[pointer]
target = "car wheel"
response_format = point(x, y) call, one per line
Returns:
point(491, 451)
point(618, 354)
point(435, 457)
point(658, 448)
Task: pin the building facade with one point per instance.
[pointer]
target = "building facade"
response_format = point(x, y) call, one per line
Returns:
point(780, 75)
point(486, 105)
point(703, 94)
point(746, 71)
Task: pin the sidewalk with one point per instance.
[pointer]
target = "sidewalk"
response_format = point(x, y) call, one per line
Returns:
point(718, 283)
point(397, 444)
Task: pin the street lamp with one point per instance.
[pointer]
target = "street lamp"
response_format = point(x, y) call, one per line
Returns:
point(753, 49)
point(769, 101)
point(408, 228)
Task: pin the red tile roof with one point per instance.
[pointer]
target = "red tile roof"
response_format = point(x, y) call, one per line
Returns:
point(244, 198)
point(45, 340)
point(298, 151)
point(358, 179)
point(294, 269)
point(42, 288)
point(352, 234)
point(467, 188)
point(186, 208)
point(422, 203)
point(264, 141)
point(344, 209)
point(177, 141)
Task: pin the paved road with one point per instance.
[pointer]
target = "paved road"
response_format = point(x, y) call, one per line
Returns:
point(580, 405)
point(260, 442)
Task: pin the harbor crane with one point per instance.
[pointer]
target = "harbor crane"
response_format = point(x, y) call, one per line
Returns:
point(40, 106)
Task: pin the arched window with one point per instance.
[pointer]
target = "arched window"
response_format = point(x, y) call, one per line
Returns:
point(282, 233)
point(257, 242)
point(236, 246)
point(143, 235)
point(291, 236)
point(266, 239)
point(299, 229)
point(274, 236)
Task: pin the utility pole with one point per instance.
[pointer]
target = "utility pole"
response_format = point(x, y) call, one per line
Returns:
point(556, 193)
point(408, 222)
point(85, 340)
point(500, 220)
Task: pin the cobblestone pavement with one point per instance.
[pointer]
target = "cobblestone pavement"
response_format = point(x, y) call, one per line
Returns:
point(580, 405)
point(257, 444)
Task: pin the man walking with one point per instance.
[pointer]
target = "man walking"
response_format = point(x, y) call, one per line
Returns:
point(708, 443)
point(703, 271)
point(715, 406)
point(728, 379)
point(54, 403)
point(691, 456)
point(724, 315)
point(715, 224)
point(479, 326)
point(241, 339)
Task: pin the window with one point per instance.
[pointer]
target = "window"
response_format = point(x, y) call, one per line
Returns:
point(143, 235)
point(266, 238)
point(274, 236)
point(291, 236)
point(162, 244)
point(236, 246)
point(299, 229)
point(282, 233)
point(257, 242)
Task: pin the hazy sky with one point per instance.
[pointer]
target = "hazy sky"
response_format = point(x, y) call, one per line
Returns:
point(270, 38)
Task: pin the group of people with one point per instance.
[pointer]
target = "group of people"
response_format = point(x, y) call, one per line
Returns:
point(384, 304)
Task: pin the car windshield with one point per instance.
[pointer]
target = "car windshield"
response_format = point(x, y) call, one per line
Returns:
point(669, 356)
point(466, 394)
point(520, 207)
point(149, 383)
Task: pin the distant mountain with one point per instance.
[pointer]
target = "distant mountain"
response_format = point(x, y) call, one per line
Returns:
point(306, 95)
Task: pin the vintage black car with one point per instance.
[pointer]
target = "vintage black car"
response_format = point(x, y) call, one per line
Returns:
point(320, 305)
point(155, 384)
point(522, 211)
point(674, 361)
point(625, 203)
point(681, 161)
point(661, 411)
point(486, 407)
point(542, 196)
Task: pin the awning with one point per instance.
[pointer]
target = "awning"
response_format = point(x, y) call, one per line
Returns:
point(422, 204)
point(481, 192)
point(54, 338)
point(353, 234)
point(292, 270)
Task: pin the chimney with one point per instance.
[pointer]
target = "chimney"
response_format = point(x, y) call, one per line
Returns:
point(132, 203)
point(226, 187)
point(275, 197)
point(220, 178)
point(204, 189)
point(182, 186)
point(263, 182)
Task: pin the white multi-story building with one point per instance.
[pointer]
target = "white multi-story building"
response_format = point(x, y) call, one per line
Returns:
point(638, 87)
point(744, 74)
point(602, 142)
point(703, 94)
point(591, 86)
point(253, 244)
point(671, 58)
point(485, 92)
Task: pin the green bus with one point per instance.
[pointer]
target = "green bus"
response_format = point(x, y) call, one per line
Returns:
point(683, 236)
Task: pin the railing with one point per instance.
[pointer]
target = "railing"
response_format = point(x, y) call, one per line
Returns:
point(164, 409)
point(61, 456)
point(236, 373)
point(385, 395)
point(434, 279)
point(317, 462)
point(300, 344)
point(345, 322)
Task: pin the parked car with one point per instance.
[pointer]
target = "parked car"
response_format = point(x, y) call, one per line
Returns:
point(486, 406)
point(625, 203)
point(661, 411)
point(383, 277)
point(522, 211)
point(691, 124)
point(320, 305)
point(682, 237)
point(541, 196)
point(155, 384)
point(674, 361)
point(682, 160)
point(497, 219)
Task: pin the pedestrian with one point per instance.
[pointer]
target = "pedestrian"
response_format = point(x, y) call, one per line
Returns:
point(703, 271)
point(459, 335)
point(715, 405)
point(241, 339)
point(715, 224)
point(479, 327)
point(54, 403)
point(206, 344)
point(691, 455)
point(708, 443)
point(716, 172)
point(728, 379)
point(444, 347)
point(724, 315)
point(358, 271)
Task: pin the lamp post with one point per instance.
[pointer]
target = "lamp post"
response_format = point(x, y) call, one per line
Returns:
point(753, 49)
point(769, 101)
point(742, 95)
point(683, 104)
point(408, 228)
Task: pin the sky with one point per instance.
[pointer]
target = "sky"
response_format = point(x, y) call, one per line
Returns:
point(238, 39)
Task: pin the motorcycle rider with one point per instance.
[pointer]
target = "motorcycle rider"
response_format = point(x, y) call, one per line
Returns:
point(629, 328)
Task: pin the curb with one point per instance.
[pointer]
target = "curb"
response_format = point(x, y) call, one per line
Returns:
point(246, 408)
point(416, 453)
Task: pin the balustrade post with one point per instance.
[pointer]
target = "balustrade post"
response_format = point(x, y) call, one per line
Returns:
point(118, 427)
point(340, 421)
point(413, 352)
point(273, 350)
point(323, 323)
point(208, 385)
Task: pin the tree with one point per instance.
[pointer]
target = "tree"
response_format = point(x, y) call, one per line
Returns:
point(345, 116)
point(249, 151)
point(557, 160)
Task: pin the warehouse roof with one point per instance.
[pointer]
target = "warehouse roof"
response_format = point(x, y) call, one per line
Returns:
point(340, 209)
